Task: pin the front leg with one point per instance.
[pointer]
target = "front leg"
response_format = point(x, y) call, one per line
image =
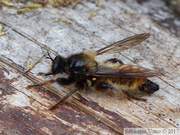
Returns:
point(61, 81)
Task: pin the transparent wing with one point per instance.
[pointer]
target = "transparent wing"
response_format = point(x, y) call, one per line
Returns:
point(124, 44)
point(124, 71)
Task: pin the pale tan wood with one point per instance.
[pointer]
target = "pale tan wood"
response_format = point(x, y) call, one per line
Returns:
point(30, 35)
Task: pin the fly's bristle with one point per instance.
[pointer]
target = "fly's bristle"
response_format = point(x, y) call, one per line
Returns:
point(130, 83)
point(91, 54)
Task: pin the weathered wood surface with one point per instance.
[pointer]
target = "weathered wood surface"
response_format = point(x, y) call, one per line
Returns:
point(30, 35)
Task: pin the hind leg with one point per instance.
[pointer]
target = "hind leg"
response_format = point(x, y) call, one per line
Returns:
point(102, 86)
point(128, 96)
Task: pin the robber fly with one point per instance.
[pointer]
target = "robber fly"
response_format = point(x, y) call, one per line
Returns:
point(82, 68)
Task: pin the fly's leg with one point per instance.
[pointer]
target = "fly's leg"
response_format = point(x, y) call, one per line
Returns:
point(101, 86)
point(79, 85)
point(128, 96)
point(61, 81)
point(45, 74)
point(49, 73)
point(64, 98)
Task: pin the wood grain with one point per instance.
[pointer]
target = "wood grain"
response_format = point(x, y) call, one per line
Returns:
point(30, 35)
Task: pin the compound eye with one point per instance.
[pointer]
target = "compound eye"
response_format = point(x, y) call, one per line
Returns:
point(54, 68)
point(58, 65)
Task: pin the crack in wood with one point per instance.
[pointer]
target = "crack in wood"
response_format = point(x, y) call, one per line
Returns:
point(76, 103)
point(54, 52)
point(25, 35)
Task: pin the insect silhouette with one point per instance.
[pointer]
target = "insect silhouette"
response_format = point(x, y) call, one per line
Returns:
point(84, 71)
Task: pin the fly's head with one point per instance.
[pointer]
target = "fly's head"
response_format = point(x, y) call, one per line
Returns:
point(58, 64)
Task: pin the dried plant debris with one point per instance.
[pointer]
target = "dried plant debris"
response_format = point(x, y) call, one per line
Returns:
point(99, 3)
point(1, 31)
point(65, 21)
point(28, 7)
point(30, 65)
point(40, 3)
point(57, 3)
point(91, 14)
point(6, 3)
